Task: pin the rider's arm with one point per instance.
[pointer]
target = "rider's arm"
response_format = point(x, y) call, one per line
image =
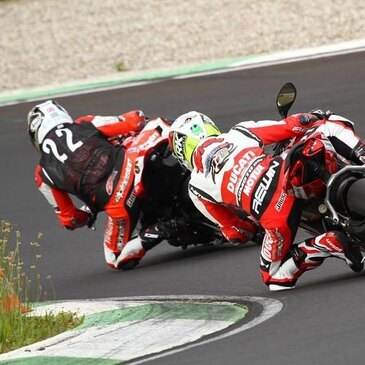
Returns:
point(340, 131)
point(113, 126)
point(270, 131)
point(69, 216)
point(232, 227)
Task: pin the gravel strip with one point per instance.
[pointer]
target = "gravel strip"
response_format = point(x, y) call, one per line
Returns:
point(45, 42)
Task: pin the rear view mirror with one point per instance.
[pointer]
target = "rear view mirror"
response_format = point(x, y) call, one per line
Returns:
point(286, 98)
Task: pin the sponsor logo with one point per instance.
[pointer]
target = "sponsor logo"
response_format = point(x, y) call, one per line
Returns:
point(36, 121)
point(273, 238)
point(250, 182)
point(196, 129)
point(179, 142)
point(137, 169)
point(247, 175)
point(238, 169)
point(114, 227)
point(124, 183)
point(131, 199)
point(198, 155)
point(263, 187)
point(121, 229)
point(281, 201)
point(333, 246)
point(108, 232)
point(151, 235)
point(299, 129)
point(133, 149)
point(110, 182)
point(150, 142)
point(218, 158)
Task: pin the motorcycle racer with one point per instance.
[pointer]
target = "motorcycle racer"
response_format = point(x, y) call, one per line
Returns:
point(232, 170)
point(79, 158)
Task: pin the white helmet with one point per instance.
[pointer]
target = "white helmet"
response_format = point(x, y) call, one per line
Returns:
point(186, 133)
point(43, 118)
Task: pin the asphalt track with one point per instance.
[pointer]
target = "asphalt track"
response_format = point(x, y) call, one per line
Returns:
point(323, 319)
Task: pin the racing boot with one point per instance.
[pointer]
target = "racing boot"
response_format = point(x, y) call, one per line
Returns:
point(338, 245)
point(133, 251)
point(131, 254)
point(310, 254)
point(300, 258)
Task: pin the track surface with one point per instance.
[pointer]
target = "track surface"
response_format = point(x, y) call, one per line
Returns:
point(323, 319)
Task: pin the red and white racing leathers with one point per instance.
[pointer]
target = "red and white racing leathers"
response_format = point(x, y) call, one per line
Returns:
point(78, 159)
point(232, 170)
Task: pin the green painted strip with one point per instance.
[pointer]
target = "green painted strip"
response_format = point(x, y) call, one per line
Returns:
point(59, 360)
point(217, 312)
point(82, 86)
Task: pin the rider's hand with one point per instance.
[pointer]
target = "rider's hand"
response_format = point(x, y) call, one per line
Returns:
point(135, 120)
point(320, 114)
point(241, 232)
point(80, 219)
point(301, 122)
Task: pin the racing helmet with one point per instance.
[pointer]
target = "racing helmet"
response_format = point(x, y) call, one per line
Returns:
point(43, 118)
point(186, 133)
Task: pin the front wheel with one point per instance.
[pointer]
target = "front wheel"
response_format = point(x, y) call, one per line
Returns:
point(355, 198)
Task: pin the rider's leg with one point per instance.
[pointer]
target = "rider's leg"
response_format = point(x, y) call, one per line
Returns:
point(310, 254)
point(123, 252)
point(119, 250)
point(280, 221)
point(123, 210)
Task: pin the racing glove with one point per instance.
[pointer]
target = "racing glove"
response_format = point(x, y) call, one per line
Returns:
point(79, 219)
point(299, 123)
point(242, 232)
point(320, 114)
point(134, 120)
point(358, 154)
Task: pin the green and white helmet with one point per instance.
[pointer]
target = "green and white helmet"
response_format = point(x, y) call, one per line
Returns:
point(186, 133)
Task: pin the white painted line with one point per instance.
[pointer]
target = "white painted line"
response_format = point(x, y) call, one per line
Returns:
point(271, 308)
point(286, 57)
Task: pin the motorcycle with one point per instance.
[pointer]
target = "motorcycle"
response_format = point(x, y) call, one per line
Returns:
point(342, 207)
point(161, 183)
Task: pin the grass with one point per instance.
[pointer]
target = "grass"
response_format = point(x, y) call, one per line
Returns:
point(17, 328)
point(120, 66)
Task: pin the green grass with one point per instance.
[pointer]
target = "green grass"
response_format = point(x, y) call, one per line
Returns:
point(17, 328)
point(120, 66)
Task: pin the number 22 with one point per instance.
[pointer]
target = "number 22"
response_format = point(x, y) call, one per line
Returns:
point(49, 146)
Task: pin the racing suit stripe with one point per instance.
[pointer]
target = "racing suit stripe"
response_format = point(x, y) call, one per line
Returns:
point(247, 133)
point(47, 192)
point(193, 190)
point(270, 131)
